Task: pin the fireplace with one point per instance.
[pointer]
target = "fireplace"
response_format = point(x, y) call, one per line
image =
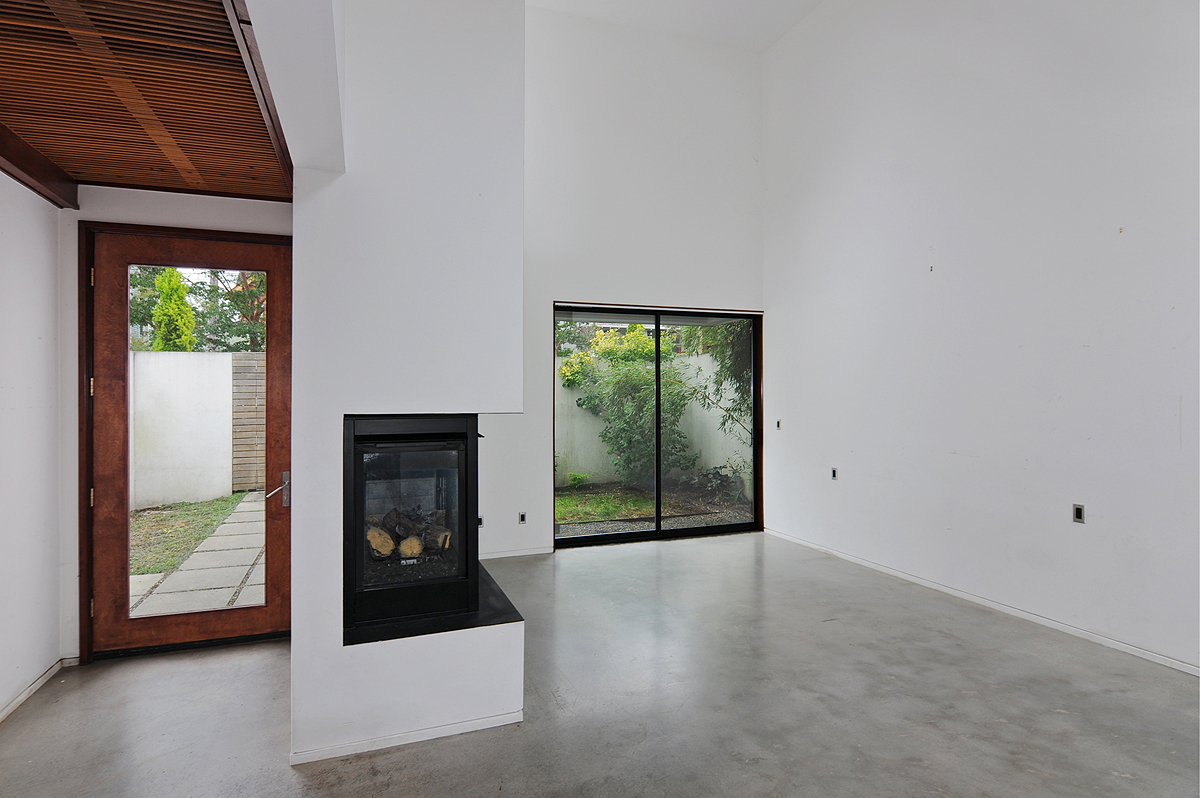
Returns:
point(410, 524)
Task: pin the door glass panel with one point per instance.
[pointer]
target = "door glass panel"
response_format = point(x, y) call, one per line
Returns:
point(604, 415)
point(707, 421)
point(197, 420)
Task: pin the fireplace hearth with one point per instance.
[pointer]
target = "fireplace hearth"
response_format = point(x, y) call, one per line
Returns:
point(410, 524)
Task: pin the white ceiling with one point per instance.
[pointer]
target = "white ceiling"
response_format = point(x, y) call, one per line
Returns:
point(752, 25)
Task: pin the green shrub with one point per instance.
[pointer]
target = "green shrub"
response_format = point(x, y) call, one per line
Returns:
point(616, 376)
point(577, 480)
point(174, 320)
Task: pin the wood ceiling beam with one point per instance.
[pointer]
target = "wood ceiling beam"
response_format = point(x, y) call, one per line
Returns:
point(91, 42)
point(29, 167)
point(243, 31)
point(170, 44)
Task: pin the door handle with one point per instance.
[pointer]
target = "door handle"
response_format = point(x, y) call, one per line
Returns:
point(286, 487)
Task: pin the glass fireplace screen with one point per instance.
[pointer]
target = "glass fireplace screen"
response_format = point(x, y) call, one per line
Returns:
point(411, 512)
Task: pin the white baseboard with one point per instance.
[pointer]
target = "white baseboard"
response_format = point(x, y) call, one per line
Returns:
point(301, 757)
point(495, 555)
point(1170, 662)
point(31, 689)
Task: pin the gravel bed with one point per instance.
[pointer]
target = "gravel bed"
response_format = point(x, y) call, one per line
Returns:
point(735, 516)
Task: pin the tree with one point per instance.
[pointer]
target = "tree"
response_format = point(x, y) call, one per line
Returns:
point(616, 375)
point(571, 336)
point(143, 296)
point(173, 318)
point(730, 390)
point(233, 311)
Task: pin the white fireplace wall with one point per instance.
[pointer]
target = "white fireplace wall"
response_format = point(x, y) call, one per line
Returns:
point(407, 299)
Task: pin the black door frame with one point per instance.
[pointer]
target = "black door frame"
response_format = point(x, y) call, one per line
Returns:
point(658, 533)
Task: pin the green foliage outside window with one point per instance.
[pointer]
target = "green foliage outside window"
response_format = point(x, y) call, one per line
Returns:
point(173, 318)
point(616, 375)
point(233, 311)
point(730, 389)
point(229, 309)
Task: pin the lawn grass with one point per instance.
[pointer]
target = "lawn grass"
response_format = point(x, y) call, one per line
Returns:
point(160, 538)
point(609, 503)
point(572, 505)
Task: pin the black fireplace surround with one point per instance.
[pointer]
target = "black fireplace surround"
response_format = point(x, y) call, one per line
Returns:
point(411, 528)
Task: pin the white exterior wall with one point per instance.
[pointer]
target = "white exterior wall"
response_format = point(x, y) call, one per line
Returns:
point(407, 299)
point(641, 187)
point(181, 427)
point(981, 303)
point(29, 430)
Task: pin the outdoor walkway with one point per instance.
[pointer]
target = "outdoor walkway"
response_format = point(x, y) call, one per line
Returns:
point(226, 570)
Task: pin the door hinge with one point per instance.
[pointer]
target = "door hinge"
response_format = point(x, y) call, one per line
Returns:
point(93, 277)
point(91, 497)
point(92, 608)
point(91, 386)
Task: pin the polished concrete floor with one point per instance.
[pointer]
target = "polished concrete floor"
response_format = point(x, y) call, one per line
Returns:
point(733, 666)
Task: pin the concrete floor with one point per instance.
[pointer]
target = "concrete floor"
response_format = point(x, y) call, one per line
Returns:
point(734, 666)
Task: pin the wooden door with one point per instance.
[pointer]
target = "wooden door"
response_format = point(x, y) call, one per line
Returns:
point(107, 253)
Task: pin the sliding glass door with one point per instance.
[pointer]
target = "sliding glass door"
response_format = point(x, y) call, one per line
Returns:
point(656, 424)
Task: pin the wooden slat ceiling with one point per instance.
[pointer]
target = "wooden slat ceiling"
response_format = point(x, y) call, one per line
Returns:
point(141, 93)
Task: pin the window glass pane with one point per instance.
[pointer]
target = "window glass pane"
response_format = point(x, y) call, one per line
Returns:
point(707, 421)
point(197, 449)
point(604, 412)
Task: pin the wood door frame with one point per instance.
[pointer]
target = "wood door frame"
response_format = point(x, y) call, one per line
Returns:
point(279, 397)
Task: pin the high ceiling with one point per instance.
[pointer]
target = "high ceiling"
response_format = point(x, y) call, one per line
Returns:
point(153, 94)
point(753, 25)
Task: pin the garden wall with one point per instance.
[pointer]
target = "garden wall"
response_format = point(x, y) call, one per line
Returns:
point(579, 449)
point(180, 441)
point(249, 420)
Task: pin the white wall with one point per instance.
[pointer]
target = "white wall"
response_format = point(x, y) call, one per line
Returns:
point(642, 186)
point(981, 302)
point(181, 430)
point(125, 206)
point(29, 405)
point(407, 299)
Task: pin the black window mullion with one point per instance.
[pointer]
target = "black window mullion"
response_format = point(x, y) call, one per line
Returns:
point(658, 423)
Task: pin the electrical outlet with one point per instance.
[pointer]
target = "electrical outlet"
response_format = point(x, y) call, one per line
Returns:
point(1077, 513)
point(778, 423)
point(833, 473)
point(521, 518)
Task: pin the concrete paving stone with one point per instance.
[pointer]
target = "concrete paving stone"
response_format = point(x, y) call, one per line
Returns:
point(219, 559)
point(140, 583)
point(191, 601)
point(259, 575)
point(251, 595)
point(223, 542)
point(240, 517)
point(202, 579)
point(246, 528)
